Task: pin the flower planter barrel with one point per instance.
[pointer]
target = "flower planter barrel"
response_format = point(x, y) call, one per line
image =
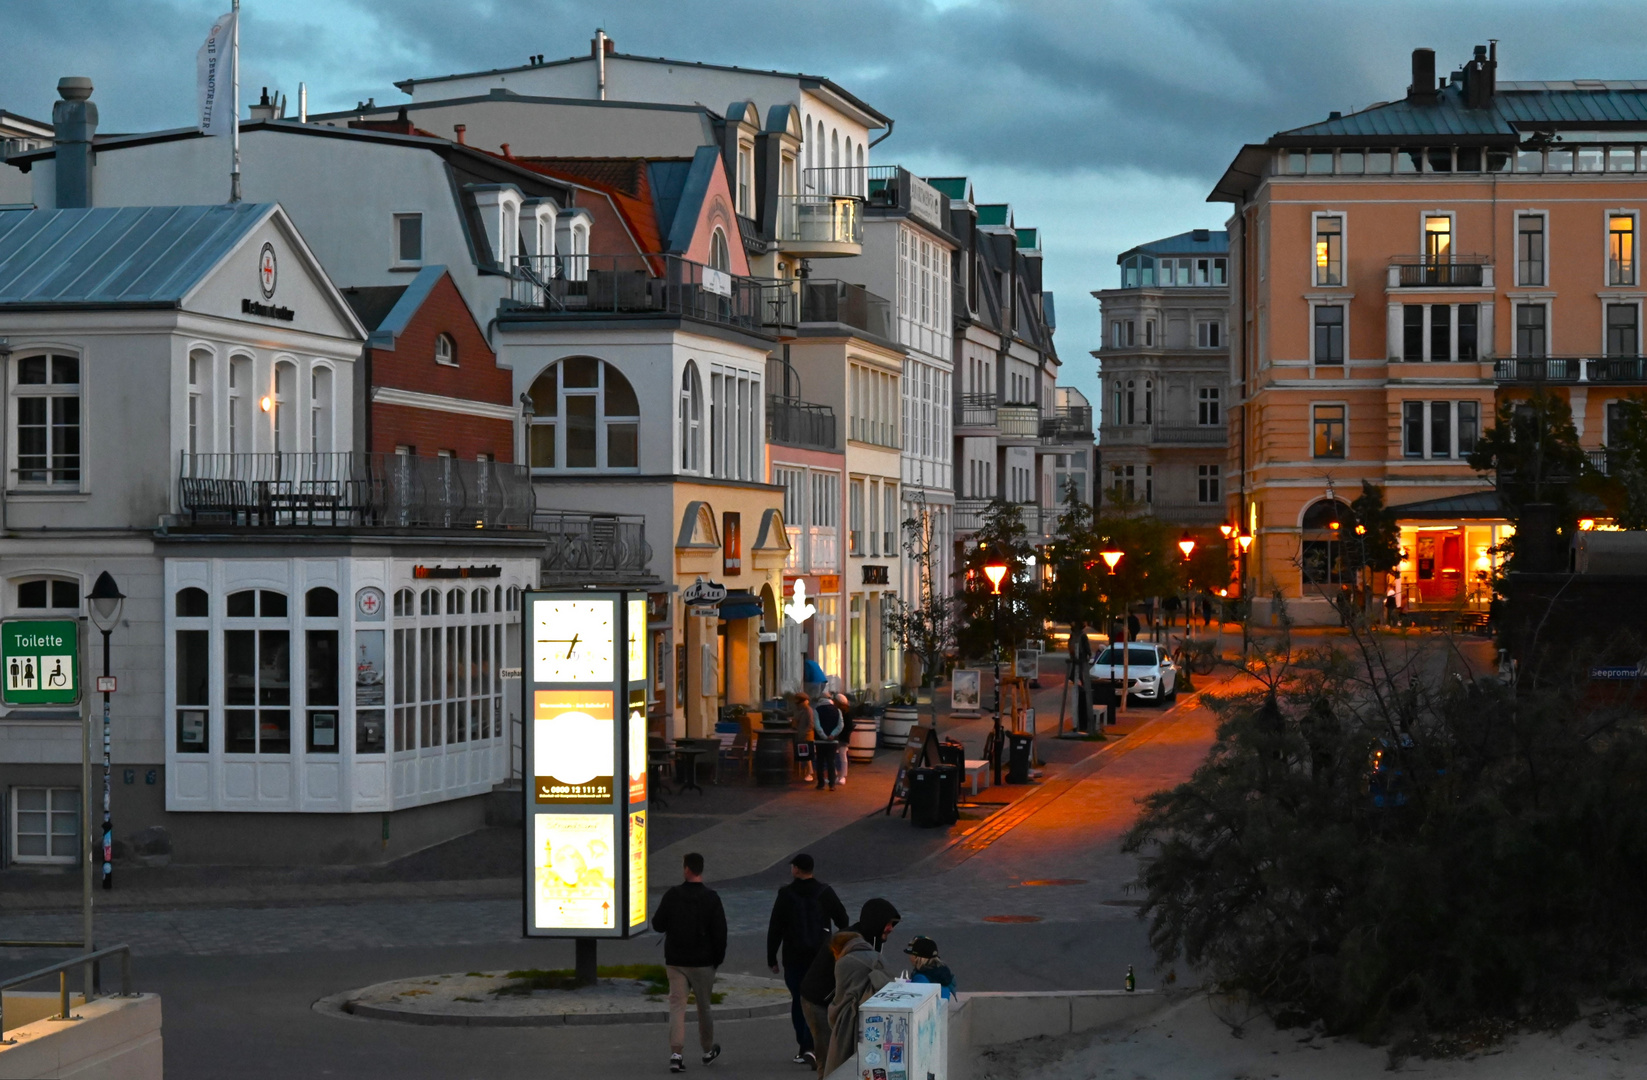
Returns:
point(896, 724)
point(861, 744)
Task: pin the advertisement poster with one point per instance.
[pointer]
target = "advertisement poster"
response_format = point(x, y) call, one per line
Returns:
point(966, 690)
point(731, 543)
point(637, 868)
point(368, 667)
point(637, 640)
point(573, 872)
point(573, 746)
point(637, 753)
point(1027, 663)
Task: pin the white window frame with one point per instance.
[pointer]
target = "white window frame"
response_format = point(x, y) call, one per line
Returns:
point(1209, 398)
point(1205, 330)
point(322, 408)
point(1344, 305)
point(1607, 216)
point(561, 420)
point(395, 247)
point(46, 390)
point(240, 392)
point(450, 357)
point(690, 420)
point(1544, 278)
point(47, 859)
point(1343, 249)
point(1452, 230)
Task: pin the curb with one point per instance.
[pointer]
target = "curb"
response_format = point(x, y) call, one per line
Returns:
point(658, 1016)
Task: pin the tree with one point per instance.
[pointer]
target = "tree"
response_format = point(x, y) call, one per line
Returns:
point(1624, 492)
point(988, 622)
point(1533, 455)
point(1150, 560)
point(1377, 537)
point(1077, 575)
point(925, 624)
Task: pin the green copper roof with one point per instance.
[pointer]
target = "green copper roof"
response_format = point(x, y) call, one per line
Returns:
point(953, 186)
point(994, 213)
point(1029, 239)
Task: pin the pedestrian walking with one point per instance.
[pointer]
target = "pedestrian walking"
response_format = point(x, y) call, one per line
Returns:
point(1080, 667)
point(799, 927)
point(828, 727)
point(845, 706)
point(928, 967)
point(1206, 611)
point(693, 925)
point(1392, 608)
point(805, 718)
point(859, 972)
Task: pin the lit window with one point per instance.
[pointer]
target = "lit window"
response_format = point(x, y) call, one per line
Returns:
point(1329, 251)
point(1438, 238)
point(1621, 249)
point(1329, 431)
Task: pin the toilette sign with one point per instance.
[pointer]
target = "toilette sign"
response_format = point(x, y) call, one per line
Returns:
point(41, 661)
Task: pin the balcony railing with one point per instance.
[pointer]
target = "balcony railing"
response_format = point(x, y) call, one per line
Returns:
point(1019, 421)
point(805, 220)
point(1571, 369)
point(978, 411)
point(793, 422)
point(1459, 271)
point(593, 548)
point(1199, 434)
point(1067, 424)
point(839, 302)
point(597, 285)
point(1598, 460)
point(352, 490)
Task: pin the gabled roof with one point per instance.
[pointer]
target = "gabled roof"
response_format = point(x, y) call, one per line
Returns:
point(1029, 239)
point(625, 181)
point(1194, 242)
point(678, 191)
point(372, 303)
point(139, 256)
point(995, 214)
point(956, 187)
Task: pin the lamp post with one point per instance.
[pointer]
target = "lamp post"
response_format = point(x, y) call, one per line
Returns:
point(1111, 558)
point(106, 601)
point(995, 572)
point(1244, 541)
point(1186, 544)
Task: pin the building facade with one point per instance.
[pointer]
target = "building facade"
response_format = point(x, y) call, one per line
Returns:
point(1164, 371)
point(1396, 273)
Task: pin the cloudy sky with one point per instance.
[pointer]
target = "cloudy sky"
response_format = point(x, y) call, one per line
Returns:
point(1104, 122)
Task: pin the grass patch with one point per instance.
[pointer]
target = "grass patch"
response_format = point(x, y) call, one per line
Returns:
point(529, 979)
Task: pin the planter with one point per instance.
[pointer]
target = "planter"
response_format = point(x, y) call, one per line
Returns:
point(896, 724)
point(861, 743)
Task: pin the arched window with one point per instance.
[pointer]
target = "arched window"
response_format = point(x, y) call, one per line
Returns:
point(241, 397)
point(281, 407)
point(320, 410)
point(585, 416)
point(834, 152)
point(691, 419)
point(720, 256)
point(403, 603)
point(845, 185)
point(46, 419)
point(320, 603)
point(445, 350)
point(201, 438)
point(192, 603)
point(57, 594)
point(1321, 549)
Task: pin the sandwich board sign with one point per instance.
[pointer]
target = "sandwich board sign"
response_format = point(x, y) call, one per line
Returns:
point(41, 661)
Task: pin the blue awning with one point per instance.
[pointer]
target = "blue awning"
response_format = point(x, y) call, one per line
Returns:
point(741, 605)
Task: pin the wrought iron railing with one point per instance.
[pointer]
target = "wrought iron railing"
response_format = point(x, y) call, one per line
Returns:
point(978, 410)
point(830, 301)
point(593, 285)
point(1068, 424)
point(352, 490)
point(593, 548)
point(806, 424)
point(1454, 271)
point(1571, 369)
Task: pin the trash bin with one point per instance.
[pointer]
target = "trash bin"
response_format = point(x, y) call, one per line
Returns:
point(923, 798)
point(949, 794)
point(953, 753)
point(773, 752)
point(1018, 753)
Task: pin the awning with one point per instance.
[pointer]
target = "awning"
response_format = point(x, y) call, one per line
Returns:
point(742, 605)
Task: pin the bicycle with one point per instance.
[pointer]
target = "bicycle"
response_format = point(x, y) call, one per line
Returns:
point(1195, 657)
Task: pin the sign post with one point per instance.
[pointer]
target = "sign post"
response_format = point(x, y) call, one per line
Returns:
point(585, 696)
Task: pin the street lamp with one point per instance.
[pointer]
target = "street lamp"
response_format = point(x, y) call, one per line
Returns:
point(106, 601)
point(1244, 541)
point(1110, 559)
point(995, 572)
point(1186, 544)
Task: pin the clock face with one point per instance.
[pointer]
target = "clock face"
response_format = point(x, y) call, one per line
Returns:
point(572, 641)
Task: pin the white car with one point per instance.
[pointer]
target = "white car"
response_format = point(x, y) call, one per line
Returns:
point(1151, 674)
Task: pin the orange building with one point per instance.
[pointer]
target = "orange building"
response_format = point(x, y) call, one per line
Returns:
point(1397, 271)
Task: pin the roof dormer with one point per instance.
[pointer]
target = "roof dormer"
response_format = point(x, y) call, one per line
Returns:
point(500, 213)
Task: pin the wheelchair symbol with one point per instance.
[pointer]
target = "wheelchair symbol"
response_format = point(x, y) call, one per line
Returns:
point(57, 678)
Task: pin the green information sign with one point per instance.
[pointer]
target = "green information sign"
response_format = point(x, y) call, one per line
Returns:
point(41, 661)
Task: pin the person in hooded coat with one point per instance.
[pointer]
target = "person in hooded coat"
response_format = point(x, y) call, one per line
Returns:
point(859, 972)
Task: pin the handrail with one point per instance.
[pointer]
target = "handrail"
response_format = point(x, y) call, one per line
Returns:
point(61, 969)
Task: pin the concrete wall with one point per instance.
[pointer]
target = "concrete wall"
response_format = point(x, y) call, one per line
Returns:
point(115, 1038)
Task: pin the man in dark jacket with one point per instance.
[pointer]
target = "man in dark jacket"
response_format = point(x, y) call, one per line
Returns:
point(801, 918)
point(693, 925)
point(875, 921)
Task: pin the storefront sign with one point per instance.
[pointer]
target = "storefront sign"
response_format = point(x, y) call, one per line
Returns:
point(701, 591)
point(41, 658)
point(266, 311)
point(584, 688)
point(731, 543)
point(829, 583)
point(1616, 672)
point(704, 611)
point(369, 605)
point(457, 571)
point(798, 610)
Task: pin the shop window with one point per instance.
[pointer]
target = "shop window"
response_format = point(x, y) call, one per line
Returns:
point(57, 594)
point(46, 419)
point(193, 690)
point(320, 603)
point(455, 602)
point(403, 603)
point(1321, 552)
point(45, 825)
point(430, 602)
point(321, 688)
point(192, 603)
point(257, 691)
point(479, 601)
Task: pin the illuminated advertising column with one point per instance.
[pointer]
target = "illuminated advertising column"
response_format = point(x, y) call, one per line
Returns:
point(585, 685)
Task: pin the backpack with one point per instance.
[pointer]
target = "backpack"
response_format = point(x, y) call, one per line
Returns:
point(814, 924)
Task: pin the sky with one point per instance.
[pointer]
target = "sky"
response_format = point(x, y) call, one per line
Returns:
point(1103, 122)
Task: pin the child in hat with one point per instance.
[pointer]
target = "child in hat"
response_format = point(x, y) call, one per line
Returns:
point(928, 966)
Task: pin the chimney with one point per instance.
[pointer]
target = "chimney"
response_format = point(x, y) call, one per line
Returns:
point(1423, 86)
point(74, 123)
point(603, 49)
point(265, 109)
point(1481, 77)
point(460, 129)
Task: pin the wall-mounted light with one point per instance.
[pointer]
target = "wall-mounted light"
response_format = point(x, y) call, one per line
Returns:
point(264, 403)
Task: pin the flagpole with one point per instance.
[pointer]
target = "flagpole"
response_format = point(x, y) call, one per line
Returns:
point(234, 115)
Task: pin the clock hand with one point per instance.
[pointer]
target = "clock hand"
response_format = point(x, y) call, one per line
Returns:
point(572, 646)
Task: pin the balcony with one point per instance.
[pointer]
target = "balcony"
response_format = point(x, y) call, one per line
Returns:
point(1019, 423)
point(851, 305)
point(821, 225)
point(1067, 425)
point(1457, 272)
point(803, 424)
point(628, 286)
point(1598, 460)
point(1193, 434)
point(977, 415)
point(349, 490)
point(1611, 370)
point(593, 548)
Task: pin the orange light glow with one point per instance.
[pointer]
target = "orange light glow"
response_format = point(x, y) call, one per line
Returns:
point(995, 572)
point(1186, 544)
point(1245, 540)
point(1110, 559)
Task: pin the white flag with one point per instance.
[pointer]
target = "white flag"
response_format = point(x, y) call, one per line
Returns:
point(214, 78)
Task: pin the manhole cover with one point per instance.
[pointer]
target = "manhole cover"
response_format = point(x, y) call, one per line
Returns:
point(1056, 881)
point(1012, 918)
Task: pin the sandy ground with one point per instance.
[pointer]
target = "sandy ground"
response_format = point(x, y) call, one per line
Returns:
point(1188, 1042)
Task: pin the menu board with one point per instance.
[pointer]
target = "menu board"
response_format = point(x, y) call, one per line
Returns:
point(572, 752)
point(637, 750)
point(573, 871)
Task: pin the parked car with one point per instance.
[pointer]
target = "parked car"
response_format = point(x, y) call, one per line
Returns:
point(1151, 674)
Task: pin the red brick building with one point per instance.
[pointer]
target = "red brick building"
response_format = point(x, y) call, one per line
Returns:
point(435, 388)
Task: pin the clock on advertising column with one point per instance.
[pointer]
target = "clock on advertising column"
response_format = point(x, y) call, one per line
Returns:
point(573, 641)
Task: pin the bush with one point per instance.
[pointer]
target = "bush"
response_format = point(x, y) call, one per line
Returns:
point(1371, 843)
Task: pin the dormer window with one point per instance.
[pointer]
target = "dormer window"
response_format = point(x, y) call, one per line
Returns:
point(446, 350)
point(746, 180)
point(408, 239)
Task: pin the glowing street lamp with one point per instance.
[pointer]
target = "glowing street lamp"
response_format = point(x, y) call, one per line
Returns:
point(1245, 540)
point(1227, 529)
point(1186, 544)
point(995, 572)
point(1110, 559)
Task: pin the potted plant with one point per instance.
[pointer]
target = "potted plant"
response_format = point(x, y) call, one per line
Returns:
point(901, 715)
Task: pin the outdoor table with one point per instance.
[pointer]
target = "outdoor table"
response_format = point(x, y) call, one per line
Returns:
point(688, 753)
point(657, 766)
